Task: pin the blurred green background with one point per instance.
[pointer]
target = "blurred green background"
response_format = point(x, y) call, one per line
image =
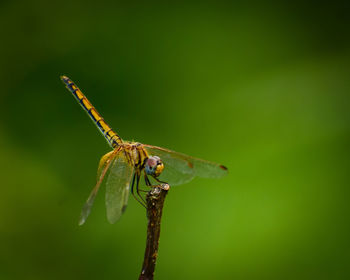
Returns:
point(262, 88)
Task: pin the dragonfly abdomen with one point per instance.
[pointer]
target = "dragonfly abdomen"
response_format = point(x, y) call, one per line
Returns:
point(112, 137)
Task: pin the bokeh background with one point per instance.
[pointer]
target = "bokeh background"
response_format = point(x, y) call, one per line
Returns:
point(261, 87)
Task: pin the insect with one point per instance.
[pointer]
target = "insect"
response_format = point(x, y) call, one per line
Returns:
point(129, 161)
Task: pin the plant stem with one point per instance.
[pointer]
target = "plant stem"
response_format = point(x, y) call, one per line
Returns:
point(155, 201)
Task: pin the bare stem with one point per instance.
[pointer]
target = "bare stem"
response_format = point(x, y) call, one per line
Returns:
point(155, 201)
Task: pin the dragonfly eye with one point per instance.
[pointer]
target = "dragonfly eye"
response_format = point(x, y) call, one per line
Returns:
point(154, 166)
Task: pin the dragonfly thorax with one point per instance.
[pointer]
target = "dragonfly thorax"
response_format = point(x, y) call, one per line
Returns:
point(154, 166)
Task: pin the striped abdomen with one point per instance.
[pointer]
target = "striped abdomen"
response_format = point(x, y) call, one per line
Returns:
point(112, 138)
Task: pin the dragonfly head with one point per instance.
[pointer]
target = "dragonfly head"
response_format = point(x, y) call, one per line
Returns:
point(154, 166)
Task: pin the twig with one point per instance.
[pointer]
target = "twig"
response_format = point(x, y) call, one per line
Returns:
point(155, 201)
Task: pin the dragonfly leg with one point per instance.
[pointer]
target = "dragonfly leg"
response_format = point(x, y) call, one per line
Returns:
point(132, 189)
point(147, 181)
point(138, 190)
point(132, 184)
point(159, 181)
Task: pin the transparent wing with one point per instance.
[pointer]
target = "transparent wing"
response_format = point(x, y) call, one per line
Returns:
point(177, 170)
point(117, 187)
point(180, 168)
point(105, 164)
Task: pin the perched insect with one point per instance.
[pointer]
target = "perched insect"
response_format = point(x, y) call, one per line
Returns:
point(129, 161)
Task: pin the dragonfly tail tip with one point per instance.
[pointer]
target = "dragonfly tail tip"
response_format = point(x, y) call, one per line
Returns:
point(63, 77)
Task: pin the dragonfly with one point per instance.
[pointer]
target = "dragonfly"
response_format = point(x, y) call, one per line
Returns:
point(122, 168)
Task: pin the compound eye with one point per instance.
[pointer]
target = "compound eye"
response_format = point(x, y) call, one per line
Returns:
point(154, 166)
point(159, 169)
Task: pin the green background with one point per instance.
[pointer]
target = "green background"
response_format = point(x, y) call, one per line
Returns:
point(261, 88)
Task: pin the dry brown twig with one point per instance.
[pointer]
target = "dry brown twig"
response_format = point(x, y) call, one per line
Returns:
point(155, 201)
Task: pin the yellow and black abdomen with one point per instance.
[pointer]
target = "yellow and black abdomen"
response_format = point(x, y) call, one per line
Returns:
point(112, 138)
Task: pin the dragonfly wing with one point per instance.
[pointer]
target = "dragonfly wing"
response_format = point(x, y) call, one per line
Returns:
point(105, 164)
point(117, 187)
point(180, 168)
